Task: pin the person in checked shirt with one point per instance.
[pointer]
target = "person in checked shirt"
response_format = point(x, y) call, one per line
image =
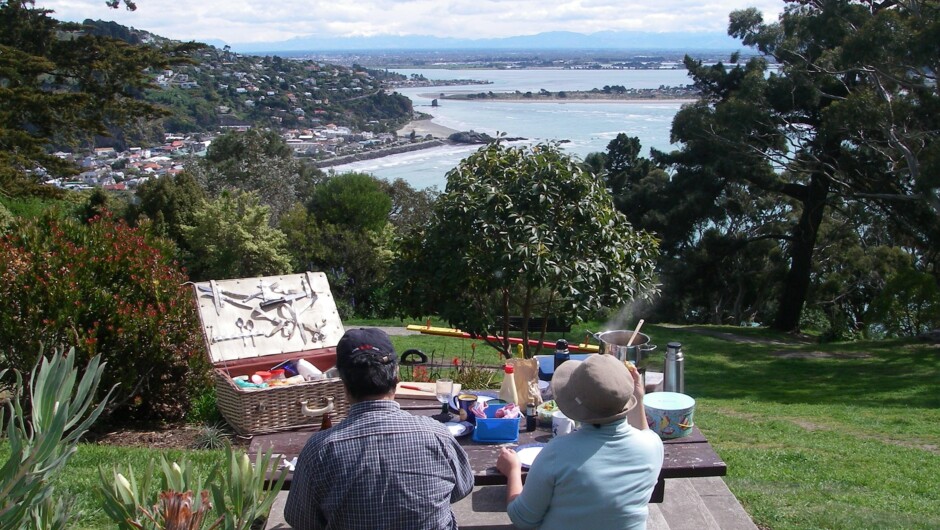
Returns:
point(381, 467)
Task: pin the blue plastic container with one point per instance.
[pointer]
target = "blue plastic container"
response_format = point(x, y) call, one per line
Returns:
point(496, 430)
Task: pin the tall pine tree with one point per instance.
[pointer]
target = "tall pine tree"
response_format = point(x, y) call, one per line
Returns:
point(60, 86)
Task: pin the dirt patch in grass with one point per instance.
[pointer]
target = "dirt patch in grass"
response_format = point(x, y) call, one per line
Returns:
point(794, 354)
point(810, 426)
point(793, 340)
point(181, 436)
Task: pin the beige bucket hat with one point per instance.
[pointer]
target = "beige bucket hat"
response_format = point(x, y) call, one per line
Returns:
point(597, 390)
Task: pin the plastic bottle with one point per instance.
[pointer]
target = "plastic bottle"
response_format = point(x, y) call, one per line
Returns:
point(507, 391)
point(561, 352)
point(308, 370)
point(530, 417)
point(327, 422)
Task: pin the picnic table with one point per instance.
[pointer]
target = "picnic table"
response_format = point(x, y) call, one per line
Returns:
point(687, 457)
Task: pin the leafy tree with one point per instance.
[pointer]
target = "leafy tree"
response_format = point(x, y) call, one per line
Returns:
point(345, 233)
point(257, 161)
point(856, 258)
point(908, 305)
point(60, 86)
point(714, 265)
point(523, 231)
point(171, 202)
point(839, 123)
point(410, 207)
point(235, 240)
point(353, 200)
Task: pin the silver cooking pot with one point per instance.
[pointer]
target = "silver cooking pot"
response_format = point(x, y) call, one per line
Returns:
point(615, 342)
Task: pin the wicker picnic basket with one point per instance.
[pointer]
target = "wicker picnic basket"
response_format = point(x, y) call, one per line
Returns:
point(254, 324)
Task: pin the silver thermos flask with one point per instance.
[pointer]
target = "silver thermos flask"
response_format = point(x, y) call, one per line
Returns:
point(673, 375)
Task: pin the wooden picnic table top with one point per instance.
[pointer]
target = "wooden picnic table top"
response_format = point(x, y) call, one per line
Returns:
point(687, 457)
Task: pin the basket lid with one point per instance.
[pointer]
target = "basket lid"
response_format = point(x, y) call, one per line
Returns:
point(256, 317)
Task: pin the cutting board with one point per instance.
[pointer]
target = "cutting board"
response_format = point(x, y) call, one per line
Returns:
point(408, 393)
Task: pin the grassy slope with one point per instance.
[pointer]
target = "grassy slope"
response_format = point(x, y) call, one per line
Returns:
point(815, 436)
point(822, 436)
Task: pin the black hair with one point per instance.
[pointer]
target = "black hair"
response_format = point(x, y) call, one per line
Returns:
point(368, 373)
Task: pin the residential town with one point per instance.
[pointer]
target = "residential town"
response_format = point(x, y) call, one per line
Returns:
point(321, 110)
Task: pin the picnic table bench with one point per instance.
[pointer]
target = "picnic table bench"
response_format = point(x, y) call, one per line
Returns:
point(687, 457)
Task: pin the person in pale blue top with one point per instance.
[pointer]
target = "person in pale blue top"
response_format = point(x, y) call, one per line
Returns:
point(600, 476)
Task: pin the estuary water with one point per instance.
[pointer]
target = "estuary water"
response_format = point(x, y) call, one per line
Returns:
point(585, 127)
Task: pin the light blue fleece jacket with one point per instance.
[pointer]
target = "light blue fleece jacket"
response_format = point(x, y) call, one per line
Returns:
point(597, 478)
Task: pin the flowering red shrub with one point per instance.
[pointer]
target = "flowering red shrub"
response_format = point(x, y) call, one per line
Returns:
point(103, 288)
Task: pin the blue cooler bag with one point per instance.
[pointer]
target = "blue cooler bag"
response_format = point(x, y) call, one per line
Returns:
point(496, 430)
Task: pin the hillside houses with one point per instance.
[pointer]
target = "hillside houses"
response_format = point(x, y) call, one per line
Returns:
point(108, 168)
point(314, 105)
point(119, 170)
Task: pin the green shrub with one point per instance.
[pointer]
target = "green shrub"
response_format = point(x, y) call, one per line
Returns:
point(909, 304)
point(203, 407)
point(107, 289)
point(6, 219)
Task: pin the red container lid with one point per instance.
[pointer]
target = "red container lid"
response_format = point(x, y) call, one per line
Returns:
point(508, 368)
point(264, 375)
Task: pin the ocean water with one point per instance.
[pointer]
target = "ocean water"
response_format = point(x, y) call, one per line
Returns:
point(585, 126)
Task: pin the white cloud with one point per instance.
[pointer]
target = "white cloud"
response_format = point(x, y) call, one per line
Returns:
point(244, 21)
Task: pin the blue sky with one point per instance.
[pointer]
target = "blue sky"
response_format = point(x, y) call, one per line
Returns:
point(246, 21)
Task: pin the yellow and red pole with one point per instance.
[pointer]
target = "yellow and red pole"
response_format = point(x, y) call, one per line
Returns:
point(451, 332)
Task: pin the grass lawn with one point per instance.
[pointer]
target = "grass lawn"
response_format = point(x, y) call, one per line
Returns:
point(843, 435)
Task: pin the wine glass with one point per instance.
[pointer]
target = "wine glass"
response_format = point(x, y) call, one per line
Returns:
point(444, 390)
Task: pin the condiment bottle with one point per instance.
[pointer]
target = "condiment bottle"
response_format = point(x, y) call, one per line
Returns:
point(327, 422)
point(561, 352)
point(507, 391)
point(530, 417)
point(308, 370)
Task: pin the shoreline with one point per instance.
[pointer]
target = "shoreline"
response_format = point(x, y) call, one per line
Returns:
point(425, 126)
point(329, 163)
point(422, 128)
point(555, 99)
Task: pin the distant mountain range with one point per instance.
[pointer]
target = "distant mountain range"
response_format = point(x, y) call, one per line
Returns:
point(556, 40)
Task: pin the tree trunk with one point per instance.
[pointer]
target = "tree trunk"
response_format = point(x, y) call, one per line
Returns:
point(802, 246)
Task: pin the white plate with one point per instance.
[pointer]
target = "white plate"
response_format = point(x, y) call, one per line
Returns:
point(528, 452)
point(458, 428)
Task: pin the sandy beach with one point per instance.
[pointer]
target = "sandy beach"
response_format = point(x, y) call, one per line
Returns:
point(425, 127)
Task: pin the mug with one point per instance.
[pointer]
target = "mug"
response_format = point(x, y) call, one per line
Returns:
point(561, 424)
point(464, 404)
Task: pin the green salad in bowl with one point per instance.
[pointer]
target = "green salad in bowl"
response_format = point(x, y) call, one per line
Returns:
point(545, 411)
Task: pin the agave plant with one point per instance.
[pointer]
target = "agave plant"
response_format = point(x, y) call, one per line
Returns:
point(42, 442)
point(182, 501)
point(242, 491)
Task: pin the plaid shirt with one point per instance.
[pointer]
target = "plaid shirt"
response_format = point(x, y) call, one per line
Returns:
point(380, 468)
